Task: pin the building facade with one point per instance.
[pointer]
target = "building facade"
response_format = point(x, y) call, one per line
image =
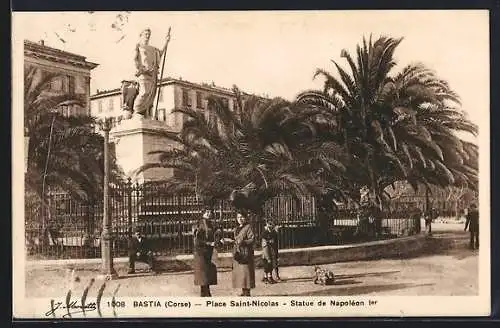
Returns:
point(173, 94)
point(74, 74)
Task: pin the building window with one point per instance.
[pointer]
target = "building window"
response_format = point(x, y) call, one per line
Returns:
point(161, 114)
point(160, 94)
point(99, 106)
point(65, 110)
point(71, 85)
point(65, 83)
point(173, 119)
point(110, 105)
point(80, 82)
point(178, 120)
point(210, 117)
point(186, 100)
point(199, 100)
point(56, 84)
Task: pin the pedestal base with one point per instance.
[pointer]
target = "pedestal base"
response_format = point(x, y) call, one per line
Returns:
point(134, 141)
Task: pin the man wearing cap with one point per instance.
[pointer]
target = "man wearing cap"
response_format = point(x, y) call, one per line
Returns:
point(139, 250)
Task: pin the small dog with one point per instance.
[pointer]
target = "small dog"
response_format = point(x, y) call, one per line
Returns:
point(323, 276)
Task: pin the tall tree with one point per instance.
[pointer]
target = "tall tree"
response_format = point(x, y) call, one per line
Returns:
point(394, 127)
point(252, 152)
point(65, 152)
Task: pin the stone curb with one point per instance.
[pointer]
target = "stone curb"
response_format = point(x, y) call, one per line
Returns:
point(287, 257)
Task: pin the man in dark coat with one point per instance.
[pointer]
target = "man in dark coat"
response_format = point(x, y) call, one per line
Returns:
point(472, 221)
point(429, 216)
point(140, 250)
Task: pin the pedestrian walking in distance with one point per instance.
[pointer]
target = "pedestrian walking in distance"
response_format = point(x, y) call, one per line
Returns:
point(205, 272)
point(243, 273)
point(139, 249)
point(472, 222)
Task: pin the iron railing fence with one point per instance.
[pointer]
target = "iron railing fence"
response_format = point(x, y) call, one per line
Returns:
point(65, 228)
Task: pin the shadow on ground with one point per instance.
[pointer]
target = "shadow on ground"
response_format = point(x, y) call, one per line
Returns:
point(356, 290)
point(344, 277)
point(360, 290)
point(173, 266)
point(451, 243)
point(366, 274)
point(135, 275)
point(454, 244)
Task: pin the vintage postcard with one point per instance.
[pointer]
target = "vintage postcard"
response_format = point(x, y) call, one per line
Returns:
point(250, 164)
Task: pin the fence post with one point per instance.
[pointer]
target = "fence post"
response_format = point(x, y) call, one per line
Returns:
point(128, 190)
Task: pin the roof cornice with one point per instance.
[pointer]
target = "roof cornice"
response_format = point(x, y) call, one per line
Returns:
point(35, 50)
point(168, 81)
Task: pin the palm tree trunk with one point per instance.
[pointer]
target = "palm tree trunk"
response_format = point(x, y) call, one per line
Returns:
point(325, 209)
point(373, 181)
point(427, 202)
point(429, 215)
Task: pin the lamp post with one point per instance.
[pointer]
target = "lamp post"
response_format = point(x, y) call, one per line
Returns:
point(108, 270)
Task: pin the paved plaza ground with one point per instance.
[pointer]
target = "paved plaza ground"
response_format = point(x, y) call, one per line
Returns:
point(445, 267)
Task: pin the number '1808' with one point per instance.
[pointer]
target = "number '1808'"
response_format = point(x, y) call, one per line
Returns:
point(116, 304)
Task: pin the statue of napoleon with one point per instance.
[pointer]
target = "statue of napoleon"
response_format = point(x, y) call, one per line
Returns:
point(138, 97)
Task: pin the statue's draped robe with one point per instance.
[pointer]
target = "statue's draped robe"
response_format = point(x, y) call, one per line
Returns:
point(147, 60)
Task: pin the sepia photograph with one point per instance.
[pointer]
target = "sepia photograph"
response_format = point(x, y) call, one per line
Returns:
point(250, 164)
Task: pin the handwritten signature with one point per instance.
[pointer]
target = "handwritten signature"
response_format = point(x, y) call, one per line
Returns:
point(71, 308)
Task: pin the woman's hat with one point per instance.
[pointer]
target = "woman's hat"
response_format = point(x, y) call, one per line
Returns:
point(242, 212)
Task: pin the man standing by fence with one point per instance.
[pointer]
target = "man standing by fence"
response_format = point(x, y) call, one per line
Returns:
point(430, 215)
point(472, 221)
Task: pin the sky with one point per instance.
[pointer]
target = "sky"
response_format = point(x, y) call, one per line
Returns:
point(273, 53)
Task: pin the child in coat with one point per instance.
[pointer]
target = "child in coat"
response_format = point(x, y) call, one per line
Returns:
point(270, 253)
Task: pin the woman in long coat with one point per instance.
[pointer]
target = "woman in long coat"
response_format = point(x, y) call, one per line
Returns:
point(243, 275)
point(205, 272)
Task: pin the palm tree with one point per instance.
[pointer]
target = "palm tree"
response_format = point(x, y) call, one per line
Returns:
point(429, 133)
point(65, 152)
point(394, 127)
point(253, 152)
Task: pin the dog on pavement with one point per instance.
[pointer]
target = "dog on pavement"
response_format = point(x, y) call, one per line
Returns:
point(323, 276)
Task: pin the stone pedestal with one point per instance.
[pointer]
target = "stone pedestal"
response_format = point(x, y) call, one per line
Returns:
point(134, 139)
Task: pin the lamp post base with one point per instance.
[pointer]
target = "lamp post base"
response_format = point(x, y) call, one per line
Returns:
point(108, 271)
